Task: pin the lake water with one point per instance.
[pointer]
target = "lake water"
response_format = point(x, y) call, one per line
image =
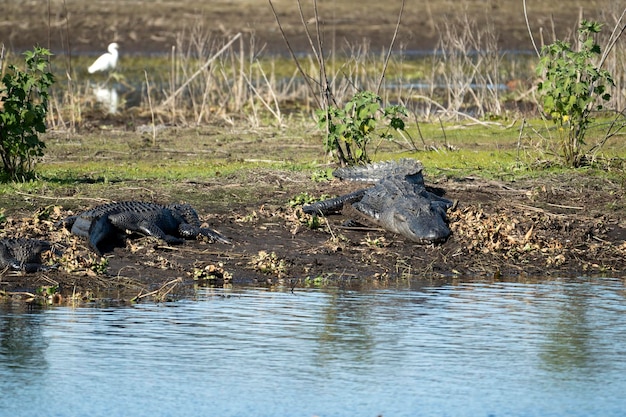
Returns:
point(553, 348)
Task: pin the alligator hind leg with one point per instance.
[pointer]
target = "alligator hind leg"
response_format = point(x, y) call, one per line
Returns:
point(149, 228)
point(103, 236)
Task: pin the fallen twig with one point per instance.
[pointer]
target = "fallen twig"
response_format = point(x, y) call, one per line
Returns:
point(171, 284)
point(565, 207)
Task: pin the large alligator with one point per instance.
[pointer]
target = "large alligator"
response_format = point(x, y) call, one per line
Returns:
point(105, 224)
point(22, 254)
point(399, 202)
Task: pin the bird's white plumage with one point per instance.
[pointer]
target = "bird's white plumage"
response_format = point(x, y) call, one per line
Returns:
point(107, 61)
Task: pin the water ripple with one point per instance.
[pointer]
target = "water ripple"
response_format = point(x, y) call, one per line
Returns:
point(473, 349)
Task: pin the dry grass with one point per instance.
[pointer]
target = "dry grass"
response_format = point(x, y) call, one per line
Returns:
point(229, 78)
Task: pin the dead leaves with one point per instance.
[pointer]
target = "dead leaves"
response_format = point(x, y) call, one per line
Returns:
point(488, 233)
point(211, 274)
point(528, 235)
point(269, 263)
point(508, 233)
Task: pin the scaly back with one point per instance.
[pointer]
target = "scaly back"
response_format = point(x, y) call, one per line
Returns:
point(405, 167)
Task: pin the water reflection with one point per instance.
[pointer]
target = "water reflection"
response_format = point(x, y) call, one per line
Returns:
point(347, 325)
point(572, 334)
point(107, 97)
point(21, 343)
point(470, 349)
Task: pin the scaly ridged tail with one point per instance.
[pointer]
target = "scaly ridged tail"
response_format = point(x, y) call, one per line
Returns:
point(377, 171)
point(333, 205)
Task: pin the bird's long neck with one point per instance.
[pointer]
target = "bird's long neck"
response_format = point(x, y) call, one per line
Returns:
point(113, 52)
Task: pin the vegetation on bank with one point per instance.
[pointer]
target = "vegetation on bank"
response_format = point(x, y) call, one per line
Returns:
point(23, 110)
point(88, 168)
point(364, 105)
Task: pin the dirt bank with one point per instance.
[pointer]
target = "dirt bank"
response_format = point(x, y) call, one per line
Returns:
point(556, 226)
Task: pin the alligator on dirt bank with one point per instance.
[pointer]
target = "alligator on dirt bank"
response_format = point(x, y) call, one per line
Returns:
point(399, 202)
point(22, 254)
point(106, 224)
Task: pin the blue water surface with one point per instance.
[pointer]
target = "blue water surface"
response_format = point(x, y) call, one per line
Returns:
point(551, 348)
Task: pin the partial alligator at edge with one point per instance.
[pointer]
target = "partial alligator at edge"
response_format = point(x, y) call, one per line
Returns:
point(22, 254)
point(398, 202)
point(107, 223)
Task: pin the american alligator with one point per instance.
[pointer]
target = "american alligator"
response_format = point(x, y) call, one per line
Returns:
point(105, 224)
point(22, 254)
point(399, 202)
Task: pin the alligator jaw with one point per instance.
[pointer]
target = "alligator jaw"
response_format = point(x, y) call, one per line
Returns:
point(420, 218)
point(424, 229)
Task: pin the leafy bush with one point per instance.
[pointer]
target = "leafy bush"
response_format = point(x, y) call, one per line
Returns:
point(349, 129)
point(571, 88)
point(23, 108)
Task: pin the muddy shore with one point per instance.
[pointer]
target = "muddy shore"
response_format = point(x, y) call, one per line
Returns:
point(553, 227)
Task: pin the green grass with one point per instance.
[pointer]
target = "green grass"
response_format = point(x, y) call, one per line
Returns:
point(225, 166)
point(184, 153)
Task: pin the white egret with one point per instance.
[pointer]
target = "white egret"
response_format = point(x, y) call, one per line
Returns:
point(107, 61)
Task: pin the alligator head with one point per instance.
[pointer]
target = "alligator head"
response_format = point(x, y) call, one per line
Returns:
point(422, 224)
point(422, 219)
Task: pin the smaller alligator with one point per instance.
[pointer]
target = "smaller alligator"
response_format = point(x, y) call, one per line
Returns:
point(106, 223)
point(22, 254)
point(398, 202)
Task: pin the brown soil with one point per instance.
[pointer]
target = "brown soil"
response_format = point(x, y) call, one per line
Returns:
point(555, 227)
point(152, 27)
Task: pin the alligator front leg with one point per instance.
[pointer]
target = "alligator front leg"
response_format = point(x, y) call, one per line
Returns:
point(149, 228)
point(24, 254)
point(8, 260)
point(213, 235)
point(189, 231)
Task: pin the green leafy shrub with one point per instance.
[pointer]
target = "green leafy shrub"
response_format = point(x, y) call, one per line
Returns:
point(350, 129)
point(572, 88)
point(23, 108)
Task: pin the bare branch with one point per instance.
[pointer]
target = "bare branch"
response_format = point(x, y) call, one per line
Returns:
point(393, 40)
point(307, 79)
point(530, 33)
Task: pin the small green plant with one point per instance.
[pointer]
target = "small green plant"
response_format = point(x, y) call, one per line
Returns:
point(350, 129)
point(305, 198)
point(322, 175)
point(100, 266)
point(572, 88)
point(378, 242)
point(317, 281)
point(23, 108)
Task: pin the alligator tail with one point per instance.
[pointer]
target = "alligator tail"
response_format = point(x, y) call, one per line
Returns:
point(333, 205)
